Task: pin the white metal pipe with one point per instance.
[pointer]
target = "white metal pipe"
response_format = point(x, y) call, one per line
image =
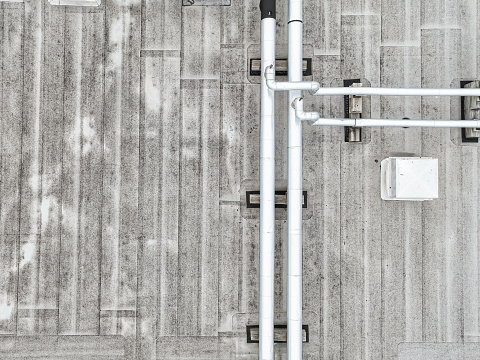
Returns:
point(294, 185)
point(395, 91)
point(267, 195)
point(295, 12)
point(311, 86)
point(334, 122)
point(418, 123)
point(314, 116)
point(314, 88)
point(399, 123)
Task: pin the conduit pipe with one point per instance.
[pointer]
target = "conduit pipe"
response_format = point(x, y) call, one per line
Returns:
point(295, 179)
point(395, 91)
point(267, 185)
point(311, 86)
point(401, 123)
point(314, 88)
point(314, 116)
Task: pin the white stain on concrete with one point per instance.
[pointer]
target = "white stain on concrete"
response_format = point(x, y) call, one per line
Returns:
point(116, 31)
point(230, 133)
point(127, 2)
point(45, 211)
point(5, 311)
point(27, 250)
point(151, 134)
point(35, 182)
point(83, 137)
point(115, 52)
point(48, 210)
point(69, 220)
point(152, 94)
point(90, 138)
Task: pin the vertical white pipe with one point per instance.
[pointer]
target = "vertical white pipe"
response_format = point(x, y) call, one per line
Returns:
point(294, 187)
point(267, 194)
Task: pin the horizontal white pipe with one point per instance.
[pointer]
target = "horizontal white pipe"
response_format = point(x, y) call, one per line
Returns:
point(314, 116)
point(267, 197)
point(334, 122)
point(395, 92)
point(314, 88)
point(400, 123)
point(418, 123)
point(311, 86)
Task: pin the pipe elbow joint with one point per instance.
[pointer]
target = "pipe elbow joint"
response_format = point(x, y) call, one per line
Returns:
point(270, 77)
point(274, 85)
point(302, 115)
point(269, 73)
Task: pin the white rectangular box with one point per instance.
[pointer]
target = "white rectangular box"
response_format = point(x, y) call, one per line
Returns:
point(409, 178)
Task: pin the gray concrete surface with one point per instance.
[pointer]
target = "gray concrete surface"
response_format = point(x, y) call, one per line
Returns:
point(129, 133)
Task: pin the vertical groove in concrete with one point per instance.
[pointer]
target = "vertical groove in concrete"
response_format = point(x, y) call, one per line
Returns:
point(360, 254)
point(440, 291)
point(158, 203)
point(321, 160)
point(231, 149)
point(30, 182)
point(468, 231)
point(469, 49)
point(322, 26)
point(401, 221)
point(234, 24)
point(400, 22)
point(79, 303)
point(120, 180)
point(198, 269)
point(161, 25)
point(200, 42)
point(50, 204)
point(250, 233)
point(362, 7)
point(11, 98)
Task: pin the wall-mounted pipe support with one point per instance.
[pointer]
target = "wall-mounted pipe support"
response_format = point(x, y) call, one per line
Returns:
point(311, 86)
point(267, 186)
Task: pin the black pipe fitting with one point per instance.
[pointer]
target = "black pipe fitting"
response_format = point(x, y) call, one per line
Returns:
point(268, 8)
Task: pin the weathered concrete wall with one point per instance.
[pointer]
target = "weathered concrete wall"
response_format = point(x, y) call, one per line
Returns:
point(129, 133)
